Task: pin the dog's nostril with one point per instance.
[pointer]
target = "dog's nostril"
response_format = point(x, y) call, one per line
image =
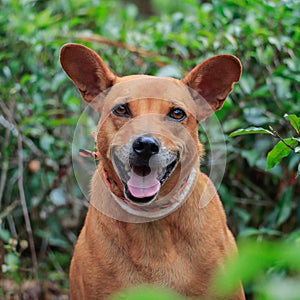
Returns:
point(145, 146)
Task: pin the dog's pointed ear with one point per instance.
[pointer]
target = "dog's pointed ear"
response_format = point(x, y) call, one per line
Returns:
point(214, 78)
point(87, 70)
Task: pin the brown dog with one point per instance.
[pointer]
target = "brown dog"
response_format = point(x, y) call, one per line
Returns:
point(154, 217)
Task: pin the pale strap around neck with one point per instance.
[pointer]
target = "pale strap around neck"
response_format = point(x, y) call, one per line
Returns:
point(154, 209)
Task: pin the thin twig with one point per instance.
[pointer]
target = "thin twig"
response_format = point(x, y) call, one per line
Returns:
point(21, 189)
point(35, 150)
point(99, 39)
point(276, 134)
point(4, 165)
point(15, 131)
point(24, 205)
point(7, 211)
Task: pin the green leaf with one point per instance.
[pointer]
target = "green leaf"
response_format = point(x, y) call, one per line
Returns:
point(248, 232)
point(12, 261)
point(251, 156)
point(285, 205)
point(247, 83)
point(46, 142)
point(294, 121)
point(279, 151)
point(256, 116)
point(250, 130)
point(4, 235)
point(296, 139)
point(169, 71)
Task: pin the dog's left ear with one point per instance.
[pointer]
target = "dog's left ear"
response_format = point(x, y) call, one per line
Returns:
point(214, 78)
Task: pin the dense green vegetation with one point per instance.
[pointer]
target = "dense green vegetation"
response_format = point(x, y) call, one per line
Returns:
point(41, 206)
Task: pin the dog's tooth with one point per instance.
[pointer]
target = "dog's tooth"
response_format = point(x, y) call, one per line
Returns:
point(159, 170)
point(127, 168)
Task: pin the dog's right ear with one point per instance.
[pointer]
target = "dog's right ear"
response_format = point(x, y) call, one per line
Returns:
point(87, 70)
point(213, 80)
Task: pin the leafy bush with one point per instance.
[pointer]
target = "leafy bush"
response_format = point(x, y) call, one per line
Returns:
point(41, 206)
point(283, 147)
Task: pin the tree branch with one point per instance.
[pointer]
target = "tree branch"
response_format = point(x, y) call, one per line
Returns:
point(276, 134)
point(101, 40)
point(5, 164)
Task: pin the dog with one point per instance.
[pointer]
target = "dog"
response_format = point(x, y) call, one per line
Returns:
point(145, 222)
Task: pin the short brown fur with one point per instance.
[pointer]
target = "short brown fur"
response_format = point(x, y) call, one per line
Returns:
point(180, 251)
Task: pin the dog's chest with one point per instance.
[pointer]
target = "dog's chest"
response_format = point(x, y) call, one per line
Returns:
point(159, 256)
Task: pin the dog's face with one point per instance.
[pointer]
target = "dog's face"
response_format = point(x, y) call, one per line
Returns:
point(147, 136)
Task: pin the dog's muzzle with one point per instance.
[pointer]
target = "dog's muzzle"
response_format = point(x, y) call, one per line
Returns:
point(143, 165)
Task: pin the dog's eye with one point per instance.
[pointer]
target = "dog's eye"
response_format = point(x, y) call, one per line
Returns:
point(121, 111)
point(177, 114)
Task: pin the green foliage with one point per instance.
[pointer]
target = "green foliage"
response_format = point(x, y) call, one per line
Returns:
point(40, 105)
point(272, 267)
point(147, 293)
point(283, 147)
point(11, 265)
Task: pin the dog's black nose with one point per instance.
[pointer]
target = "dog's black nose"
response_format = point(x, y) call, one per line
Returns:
point(145, 146)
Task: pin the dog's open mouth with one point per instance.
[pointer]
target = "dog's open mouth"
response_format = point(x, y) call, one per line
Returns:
point(142, 183)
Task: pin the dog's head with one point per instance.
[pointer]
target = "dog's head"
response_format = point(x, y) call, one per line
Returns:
point(148, 130)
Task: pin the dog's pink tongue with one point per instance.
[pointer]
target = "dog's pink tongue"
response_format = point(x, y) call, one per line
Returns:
point(143, 186)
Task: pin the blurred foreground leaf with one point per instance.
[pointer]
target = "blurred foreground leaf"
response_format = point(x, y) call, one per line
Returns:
point(255, 262)
point(147, 292)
